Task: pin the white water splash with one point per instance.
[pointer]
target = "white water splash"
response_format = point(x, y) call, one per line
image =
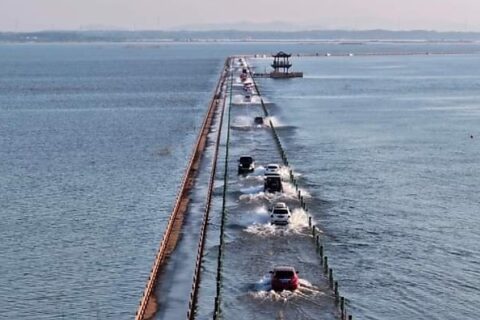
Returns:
point(291, 192)
point(240, 100)
point(257, 216)
point(284, 173)
point(263, 291)
point(255, 197)
point(298, 224)
point(252, 190)
point(260, 170)
point(253, 178)
point(298, 220)
point(275, 121)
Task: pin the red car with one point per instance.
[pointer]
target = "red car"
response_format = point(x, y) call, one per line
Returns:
point(284, 278)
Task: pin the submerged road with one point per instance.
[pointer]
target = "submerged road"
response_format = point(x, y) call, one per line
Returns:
point(253, 245)
point(231, 271)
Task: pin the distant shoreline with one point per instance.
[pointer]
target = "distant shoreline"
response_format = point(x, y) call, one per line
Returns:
point(224, 41)
point(237, 36)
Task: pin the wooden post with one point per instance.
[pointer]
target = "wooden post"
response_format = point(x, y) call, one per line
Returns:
point(215, 316)
point(336, 291)
point(330, 277)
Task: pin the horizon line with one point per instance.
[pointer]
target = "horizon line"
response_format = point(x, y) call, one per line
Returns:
point(239, 30)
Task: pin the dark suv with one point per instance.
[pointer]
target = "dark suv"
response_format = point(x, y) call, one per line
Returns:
point(273, 183)
point(258, 120)
point(246, 164)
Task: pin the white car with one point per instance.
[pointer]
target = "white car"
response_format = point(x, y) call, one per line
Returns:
point(280, 214)
point(272, 168)
point(248, 86)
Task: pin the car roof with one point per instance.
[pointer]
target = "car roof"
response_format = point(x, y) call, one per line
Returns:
point(284, 268)
point(273, 165)
point(280, 205)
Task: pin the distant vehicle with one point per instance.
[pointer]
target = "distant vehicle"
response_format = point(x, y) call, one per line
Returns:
point(258, 120)
point(248, 98)
point(284, 278)
point(280, 214)
point(248, 86)
point(246, 164)
point(273, 183)
point(272, 168)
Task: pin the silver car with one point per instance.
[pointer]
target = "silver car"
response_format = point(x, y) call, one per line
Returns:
point(280, 214)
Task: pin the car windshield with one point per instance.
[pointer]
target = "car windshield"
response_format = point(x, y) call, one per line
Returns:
point(246, 160)
point(272, 167)
point(280, 211)
point(284, 274)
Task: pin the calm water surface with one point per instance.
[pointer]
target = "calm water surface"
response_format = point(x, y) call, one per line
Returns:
point(384, 145)
point(93, 143)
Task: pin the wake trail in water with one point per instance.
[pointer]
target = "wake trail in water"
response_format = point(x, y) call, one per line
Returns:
point(298, 224)
point(240, 100)
point(263, 291)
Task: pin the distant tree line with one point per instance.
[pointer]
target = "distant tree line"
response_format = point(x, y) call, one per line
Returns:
point(234, 35)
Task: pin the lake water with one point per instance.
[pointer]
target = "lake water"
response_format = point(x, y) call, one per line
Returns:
point(94, 140)
point(93, 144)
point(384, 144)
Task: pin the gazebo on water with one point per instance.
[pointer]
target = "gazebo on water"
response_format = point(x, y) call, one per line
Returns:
point(281, 65)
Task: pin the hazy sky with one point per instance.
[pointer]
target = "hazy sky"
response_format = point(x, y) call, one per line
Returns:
point(26, 15)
